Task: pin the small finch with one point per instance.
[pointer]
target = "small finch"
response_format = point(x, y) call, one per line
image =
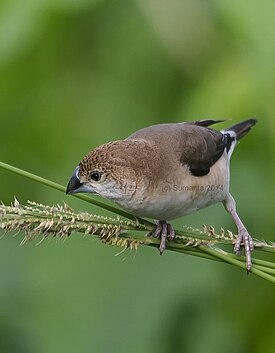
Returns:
point(167, 171)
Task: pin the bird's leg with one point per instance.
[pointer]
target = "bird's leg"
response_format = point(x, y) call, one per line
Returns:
point(163, 237)
point(163, 231)
point(171, 232)
point(244, 239)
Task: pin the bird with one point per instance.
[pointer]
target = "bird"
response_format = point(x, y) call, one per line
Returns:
point(167, 171)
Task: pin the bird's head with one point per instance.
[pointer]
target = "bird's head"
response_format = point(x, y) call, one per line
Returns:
point(108, 170)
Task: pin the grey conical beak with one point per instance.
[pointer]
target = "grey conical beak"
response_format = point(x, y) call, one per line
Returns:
point(76, 186)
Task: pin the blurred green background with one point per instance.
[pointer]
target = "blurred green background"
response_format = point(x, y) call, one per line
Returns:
point(75, 74)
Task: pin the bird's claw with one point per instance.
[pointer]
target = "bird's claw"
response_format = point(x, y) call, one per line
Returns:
point(163, 231)
point(244, 240)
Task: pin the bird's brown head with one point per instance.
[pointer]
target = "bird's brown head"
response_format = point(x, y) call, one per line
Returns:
point(111, 170)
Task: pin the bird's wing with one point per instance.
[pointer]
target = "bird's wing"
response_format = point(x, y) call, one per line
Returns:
point(192, 143)
point(201, 147)
point(204, 123)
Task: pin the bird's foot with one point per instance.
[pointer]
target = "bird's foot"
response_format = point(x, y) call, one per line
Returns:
point(163, 231)
point(244, 240)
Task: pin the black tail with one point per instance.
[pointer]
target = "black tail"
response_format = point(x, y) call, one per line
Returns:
point(242, 128)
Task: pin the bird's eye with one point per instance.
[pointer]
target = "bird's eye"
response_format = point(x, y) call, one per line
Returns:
point(96, 176)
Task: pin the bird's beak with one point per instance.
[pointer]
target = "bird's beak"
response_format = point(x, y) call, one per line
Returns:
point(76, 186)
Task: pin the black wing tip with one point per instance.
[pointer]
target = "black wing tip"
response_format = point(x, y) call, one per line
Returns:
point(207, 122)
